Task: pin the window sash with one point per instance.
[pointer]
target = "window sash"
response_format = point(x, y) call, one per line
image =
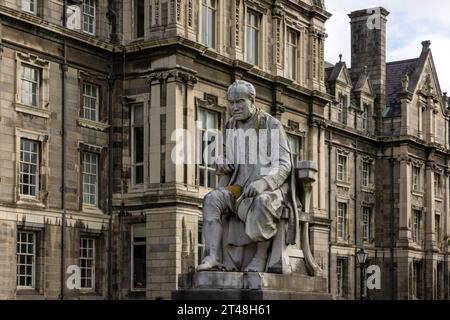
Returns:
point(209, 121)
point(29, 168)
point(87, 263)
point(253, 29)
point(209, 23)
point(90, 102)
point(295, 146)
point(366, 171)
point(416, 178)
point(29, 6)
point(342, 168)
point(137, 152)
point(138, 18)
point(342, 208)
point(291, 50)
point(90, 178)
point(365, 117)
point(366, 223)
point(26, 259)
point(340, 277)
point(89, 16)
point(416, 226)
point(30, 85)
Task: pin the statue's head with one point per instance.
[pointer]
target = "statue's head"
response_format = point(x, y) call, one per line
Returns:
point(241, 100)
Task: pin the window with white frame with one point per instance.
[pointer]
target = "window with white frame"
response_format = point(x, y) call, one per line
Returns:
point(138, 18)
point(201, 244)
point(208, 11)
point(366, 222)
point(365, 117)
point(295, 144)
point(292, 37)
point(341, 108)
point(416, 178)
point(340, 277)
point(138, 254)
point(416, 226)
point(89, 16)
point(437, 184)
point(29, 168)
point(437, 225)
point(90, 178)
point(209, 126)
point(90, 101)
point(137, 136)
point(26, 259)
point(253, 27)
point(366, 172)
point(342, 168)
point(87, 262)
point(30, 85)
point(341, 220)
point(29, 6)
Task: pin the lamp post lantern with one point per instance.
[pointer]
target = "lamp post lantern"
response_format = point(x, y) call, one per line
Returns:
point(361, 258)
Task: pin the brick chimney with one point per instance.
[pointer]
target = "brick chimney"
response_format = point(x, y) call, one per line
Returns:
point(368, 49)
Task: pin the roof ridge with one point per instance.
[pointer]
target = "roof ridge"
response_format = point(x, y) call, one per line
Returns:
point(403, 61)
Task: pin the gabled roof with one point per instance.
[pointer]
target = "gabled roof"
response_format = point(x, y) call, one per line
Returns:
point(363, 84)
point(338, 72)
point(395, 71)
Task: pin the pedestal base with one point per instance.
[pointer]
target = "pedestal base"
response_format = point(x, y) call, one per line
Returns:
point(250, 286)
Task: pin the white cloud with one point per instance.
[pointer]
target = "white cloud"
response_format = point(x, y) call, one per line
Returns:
point(409, 23)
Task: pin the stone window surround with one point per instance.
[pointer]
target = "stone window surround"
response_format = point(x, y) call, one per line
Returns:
point(100, 152)
point(262, 50)
point(297, 72)
point(42, 110)
point(209, 103)
point(300, 30)
point(219, 33)
point(346, 238)
point(417, 164)
point(132, 244)
point(371, 187)
point(93, 265)
point(102, 112)
point(130, 101)
point(344, 153)
point(420, 226)
point(371, 206)
point(42, 193)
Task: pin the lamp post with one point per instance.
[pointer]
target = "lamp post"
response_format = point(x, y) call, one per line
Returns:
point(361, 258)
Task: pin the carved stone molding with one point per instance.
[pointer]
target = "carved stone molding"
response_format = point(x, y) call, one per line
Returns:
point(179, 74)
point(342, 151)
point(368, 159)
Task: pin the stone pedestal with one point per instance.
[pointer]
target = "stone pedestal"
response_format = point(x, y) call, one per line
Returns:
point(250, 286)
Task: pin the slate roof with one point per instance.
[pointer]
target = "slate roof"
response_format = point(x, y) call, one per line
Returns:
point(394, 73)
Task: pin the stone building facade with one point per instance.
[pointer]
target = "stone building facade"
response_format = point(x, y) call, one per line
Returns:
point(87, 83)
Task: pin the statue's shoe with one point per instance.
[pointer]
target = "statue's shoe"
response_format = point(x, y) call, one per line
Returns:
point(209, 264)
point(256, 265)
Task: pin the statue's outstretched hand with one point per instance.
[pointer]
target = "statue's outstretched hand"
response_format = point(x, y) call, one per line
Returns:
point(255, 188)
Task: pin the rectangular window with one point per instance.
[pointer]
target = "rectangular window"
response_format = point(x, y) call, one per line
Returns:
point(416, 280)
point(90, 179)
point(416, 226)
point(209, 125)
point(253, 33)
point(341, 220)
point(138, 18)
point(342, 168)
point(26, 259)
point(366, 172)
point(365, 117)
point(87, 262)
point(366, 218)
point(342, 105)
point(30, 85)
point(437, 225)
point(90, 101)
point(138, 257)
point(29, 168)
point(29, 6)
point(201, 245)
point(416, 178)
point(89, 16)
point(137, 124)
point(340, 275)
point(209, 23)
point(291, 54)
point(437, 185)
point(295, 144)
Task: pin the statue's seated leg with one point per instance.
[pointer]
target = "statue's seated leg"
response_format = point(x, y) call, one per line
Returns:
point(259, 261)
point(215, 204)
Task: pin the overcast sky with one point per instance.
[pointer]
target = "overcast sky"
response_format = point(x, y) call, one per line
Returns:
point(409, 23)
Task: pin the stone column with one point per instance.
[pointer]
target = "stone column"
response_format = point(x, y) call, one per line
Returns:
point(155, 81)
point(238, 29)
point(429, 236)
point(405, 202)
point(278, 29)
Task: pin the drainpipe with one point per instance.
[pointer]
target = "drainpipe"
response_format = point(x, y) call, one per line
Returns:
point(329, 210)
point(63, 154)
point(355, 165)
point(111, 82)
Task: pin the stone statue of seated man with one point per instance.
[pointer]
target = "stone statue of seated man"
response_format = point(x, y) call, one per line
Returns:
point(255, 193)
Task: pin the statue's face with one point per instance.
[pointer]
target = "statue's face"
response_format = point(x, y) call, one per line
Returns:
point(240, 105)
